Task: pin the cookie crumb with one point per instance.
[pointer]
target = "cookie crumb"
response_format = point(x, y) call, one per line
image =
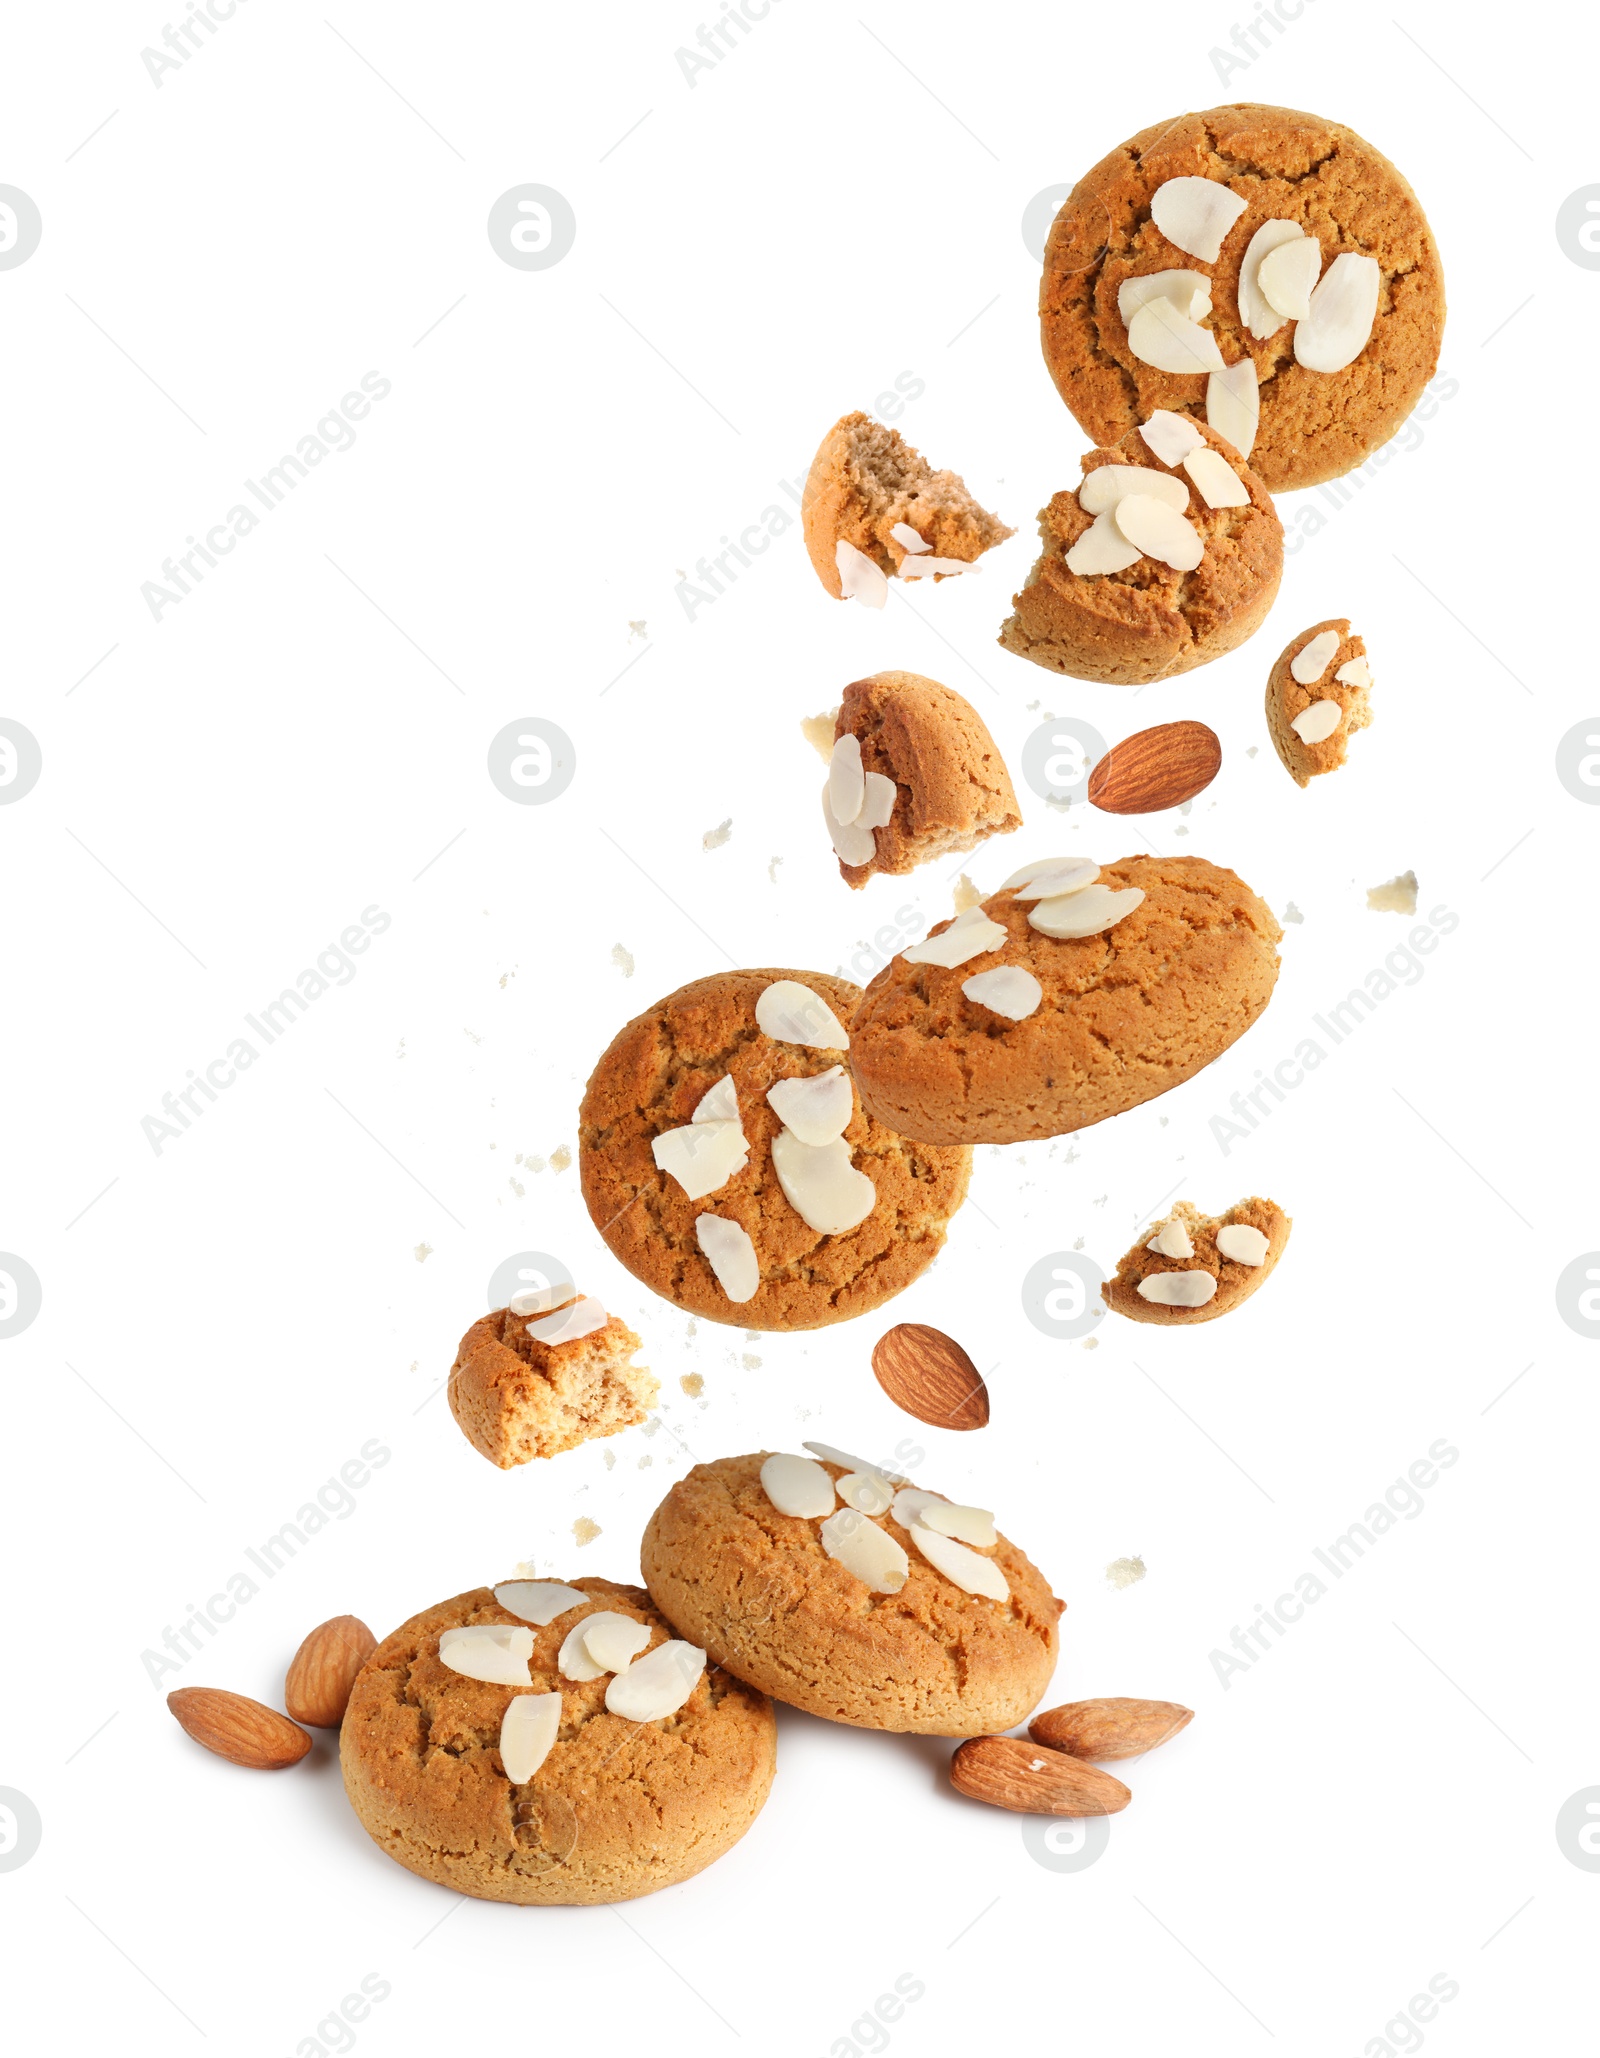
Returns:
point(1291, 913)
point(1125, 1572)
point(715, 838)
point(517, 1187)
point(622, 958)
point(422, 1253)
point(772, 869)
point(1091, 1343)
point(818, 732)
point(639, 629)
point(750, 1363)
point(1397, 896)
point(646, 1460)
point(532, 1163)
point(966, 895)
point(560, 1159)
point(610, 1458)
point(585, 1531)
point(504, 976)
point(693, 1385)
point(1252, 750)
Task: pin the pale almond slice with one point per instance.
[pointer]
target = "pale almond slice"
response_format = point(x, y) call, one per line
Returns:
point(1087, 912)
point(657, 1686)
point(1287, 275)
point(935, 567)
point(1101, 548)
point(1158, 335)
point(1051, 875)
point(541, 1300)
point(613, 1640)
point(851, 1464)
point(1309, 663)
point(1109, 483)
point(909, 1503)
point(859, 578)
point(1242, 1244)
point(816, 1109)
point(1170, 436)
point(727, 1249)
point(1343, 308)
point(1233, 404)
point(1195, 214)
point(791, 1013)
point(867, 1552)
point(797, 1486)
point(719, 1103)
point(573, 1660)
point(538, 1600)
point(1316, 723)
point(569, 1324)
point(494, 1652)
point(846, 780)
point(1189, 292)
point(1178, 1289)
point(1219, 484)
point(968, 936)
point(1171, 1240)
point(1255, 311)
point(1009, 990)
point(1354, 671)
point(821, 1184)
point(967, 1525)
point(878, 806)
point(868, 1492)
point(528, 1730)
point(961, 1566)
point(852, 844)
point(1157, 530)
point(908, 539)
point(701, 1156)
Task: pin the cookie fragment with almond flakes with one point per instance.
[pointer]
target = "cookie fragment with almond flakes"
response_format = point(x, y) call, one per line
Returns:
point(1192, 1267)
point(531, 1381)
point(1318, 696)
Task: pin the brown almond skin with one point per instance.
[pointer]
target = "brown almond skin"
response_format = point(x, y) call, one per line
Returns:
point(1031, 1779)
point(1109, 1729)
point(239, 1729)
point(323, 1670)
point(1156, 769)
point(930, 1376)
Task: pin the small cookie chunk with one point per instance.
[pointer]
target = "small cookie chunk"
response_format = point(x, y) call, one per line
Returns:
point(617, 1807)
point(866, 480)
point(1224, 1275)
point(1148, 620)
point(1314, 747)
point(516, 1397)
point(787, 1273)
point(952, 789)
point(1325, 183)
point(758, 1590)
point(1122, 1015)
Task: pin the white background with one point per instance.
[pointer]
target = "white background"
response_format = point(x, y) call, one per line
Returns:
point(226, 1322)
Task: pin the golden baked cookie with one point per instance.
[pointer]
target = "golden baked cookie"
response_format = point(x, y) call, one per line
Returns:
point(518, 1396)
point(1285, 166)
point(786, 1272)
point(952, 789)
point(618, 1808)
point(1149, 621)
point(761, 1594)
point(1119, 1016)
point(1219, 1275)
point(865, 481)
point(1290, 700)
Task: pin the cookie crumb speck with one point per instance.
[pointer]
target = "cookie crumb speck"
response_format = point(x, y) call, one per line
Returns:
point(1125, 1572)
point(715, 838)
point(639, 629)
point(422, 1253)
point(1397, 896)
point(966, 895)
point(818, 732)
point(750, 1364)
point(1252, 750)
point(517, 1187)
point(1291, 913)
point(772, 869)
point(584, 1531)
point(693, 1385)
point(1091, 1343)
point(646, 1460)
point(622, 958)
point(610, 1458)
point(560, 1158)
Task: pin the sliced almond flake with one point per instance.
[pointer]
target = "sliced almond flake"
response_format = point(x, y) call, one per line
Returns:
point(846, 781)
point(867, 1552)
point(1258, 316)
point(934, 567)
point(528, 1730)
point(1242, 1244)
point(1233, 404)
point(1287, 275)
point(657, 1686)
point(851, 1464)
point(612, 1640)
point(797, 1486)
point(1189, 292)
point(538, 1600)
point(1308, 664)
point(869, 1493)
point(859, 578)
point(542, 1300)
point(878, 806)
point(1109, 483)
point(1101, 548)
point(1171, 1240)
point(1219, 484)
point(1178, 1289)
point(1085, 913)
point(968, 936)
point(571, 1324)
point(1157, 530)
point(1354, 671)
point(701, 1156)
point(1009, 990)
point(816, 1109)
point(1316, 723)
point(1195, 214)
point(791, 1013)
point(908, 539)
point(497, 1653)
point(1051, 875)
point(852, 844)
point(719, 1104)
point(910, 1501)
point(1343, 308)
point(821, 1184)
point(1170, 436)
point(1158, 335)
point(961, 1566)
point(573, 1660)
point(727, 1249)
point(973, 1526)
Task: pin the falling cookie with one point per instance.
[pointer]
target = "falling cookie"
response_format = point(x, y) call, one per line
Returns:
point(1317, 698)
point(533, 1379)
point(1193, 1267)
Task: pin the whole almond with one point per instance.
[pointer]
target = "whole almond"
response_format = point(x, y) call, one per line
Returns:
point(1158, 768)
point(1110, 1729)
point(240, 1730)
point(929, 1375)
point(1031, 1779)
point(323, 1670)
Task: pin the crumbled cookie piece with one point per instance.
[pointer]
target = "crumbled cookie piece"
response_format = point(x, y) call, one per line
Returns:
point(517, 1398)
point(1312, 713)
point(1228, 1257)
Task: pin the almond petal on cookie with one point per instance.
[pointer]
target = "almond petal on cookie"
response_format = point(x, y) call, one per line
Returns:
point(859, 578)
point(1242, 1245)
point(852, 844)
point(1170, 436)
point(1233, 404)
point(494, 1652)
point(1051, 875)
point(1171, 1240)
point(968, 936)
point(878, 806)
point(966, 1525)
point(701, 1156)
point(1178, 1289)
point(1158, 335)
point(791, 1013)
point(797, 1486)
point(658, 1685)
point(821, 1184)
point(868, 1492)
point(1339, 322)
point(1195, 214)
point(963, 1567)
point(867, 1552)
point(817, 1109)
point(1087, 912)
point(850, 1464)
point(1108, 483)
point(908, 539)
point(1354, 671)
point(719, 1104)
point(1308, 664)
point(1189, 292)
point(846, 781)
point(538, 1600)
point(528, 1730)
point(909, 1503)
point(1316, 723)
point(612, 1640)
point(573, 1660)
point(1220, 485)
point(1009, 990)
point(1255, 311)
point(568, 1324)
point(727, 1249)
point(1160, 532)
point(1287, 274)
point(1101, 548)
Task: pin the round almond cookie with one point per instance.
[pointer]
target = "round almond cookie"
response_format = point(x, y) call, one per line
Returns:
point(1317, 698)
point(1096, 607)
point(1334, 367)
point(841, 1611)
point(801, 1209)
point(1066, 1006)
point(608, 1803)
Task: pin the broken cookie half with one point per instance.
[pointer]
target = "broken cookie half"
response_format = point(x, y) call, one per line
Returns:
point(1192, 1267)
point(530, 1381)
point(1317, 697)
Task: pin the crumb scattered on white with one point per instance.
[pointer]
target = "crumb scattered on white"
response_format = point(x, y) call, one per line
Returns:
point(422, 1253)
point(532, 1163)
point(622, 958)
point(693, 1385)
point(517, 1187)
point(584, 1531)
point(640, 629)
point(1179, 829)
point(653, 1426)
point(610, 1458)
point(473, 1034)
point(966, 895)
point(715, 838)
point(1091, 1343)
point(1291, 913)
point(750, 1364)
point(1165, 1119)
point(1397, 896)
point(646, 1460)
point(560, 1159)
point(772, 869)
point(504, 976)
point(1125, 1572)
point(1252, 750)
point(1078, 1244)
point(818, 732)
point(400, 1053)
